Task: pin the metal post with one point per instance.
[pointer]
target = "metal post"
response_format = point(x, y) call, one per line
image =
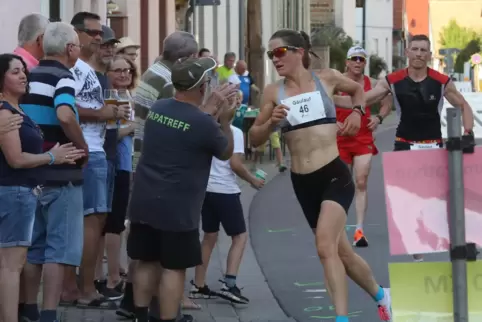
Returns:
point(457, 217)
point(242, 28)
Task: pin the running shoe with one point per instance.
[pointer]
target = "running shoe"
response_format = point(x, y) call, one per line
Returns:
point(385, 307)
point(418, 258)
point(232, 294)
point(201, 292)
point(282, 168)
point(359, 239)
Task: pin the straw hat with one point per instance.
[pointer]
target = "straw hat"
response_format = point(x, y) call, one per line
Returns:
point(126, 42)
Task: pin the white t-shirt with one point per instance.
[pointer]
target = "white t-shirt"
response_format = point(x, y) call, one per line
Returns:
point(88, 94)
point(222, 178)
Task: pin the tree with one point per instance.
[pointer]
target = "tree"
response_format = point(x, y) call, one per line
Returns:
point(377, 66)
point(472, 47)
point(337, 40)
point(455, 36)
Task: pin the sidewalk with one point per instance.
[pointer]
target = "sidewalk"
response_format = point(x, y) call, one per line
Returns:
point(263, 306)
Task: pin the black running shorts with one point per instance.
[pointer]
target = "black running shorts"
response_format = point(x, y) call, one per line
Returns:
point(332, 182)
point(224, 209)
point(173, 250)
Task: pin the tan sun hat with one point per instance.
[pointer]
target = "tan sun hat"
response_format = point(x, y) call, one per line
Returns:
point(126, 42)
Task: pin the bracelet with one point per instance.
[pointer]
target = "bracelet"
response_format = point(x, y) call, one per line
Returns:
point(358, 111)
point(52, 158)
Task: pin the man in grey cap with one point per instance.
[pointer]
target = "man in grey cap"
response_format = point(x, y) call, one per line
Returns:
point(164, 231)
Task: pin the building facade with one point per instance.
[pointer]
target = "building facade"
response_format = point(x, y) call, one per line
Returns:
point(147, 22)
point(376, 29)
point(217, 27)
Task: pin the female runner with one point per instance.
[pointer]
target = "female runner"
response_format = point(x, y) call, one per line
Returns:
point(301, 104)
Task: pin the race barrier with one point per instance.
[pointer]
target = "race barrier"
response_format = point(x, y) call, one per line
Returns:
point(475, 101)
point(416, 194)
point(434, 204)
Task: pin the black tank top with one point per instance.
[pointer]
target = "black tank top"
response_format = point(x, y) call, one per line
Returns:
point(418, 104)
point(31, 141)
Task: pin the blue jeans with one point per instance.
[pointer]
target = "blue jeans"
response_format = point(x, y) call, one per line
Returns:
point(95, 184)
point(58, 233)
point(17, 215)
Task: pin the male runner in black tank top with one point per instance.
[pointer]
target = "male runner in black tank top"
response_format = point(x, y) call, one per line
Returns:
point(418, 93)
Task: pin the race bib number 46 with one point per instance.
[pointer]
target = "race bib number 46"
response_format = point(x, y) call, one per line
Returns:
point(305, 108)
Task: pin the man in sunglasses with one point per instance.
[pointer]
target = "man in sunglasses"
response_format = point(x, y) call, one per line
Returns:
point(418, 93)
point(357, 151)
point(93, 114)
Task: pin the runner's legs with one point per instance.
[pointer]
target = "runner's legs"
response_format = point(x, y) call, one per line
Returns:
point(361, 169)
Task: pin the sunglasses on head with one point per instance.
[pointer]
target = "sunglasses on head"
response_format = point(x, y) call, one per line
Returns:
point(280, 51)
point(357, 59)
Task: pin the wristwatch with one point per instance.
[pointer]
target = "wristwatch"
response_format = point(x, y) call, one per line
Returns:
point(380, 118)
point(359, 108)
point(469, 132)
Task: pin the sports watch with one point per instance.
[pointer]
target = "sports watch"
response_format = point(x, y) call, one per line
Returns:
point(359, 108)
point(380, 118)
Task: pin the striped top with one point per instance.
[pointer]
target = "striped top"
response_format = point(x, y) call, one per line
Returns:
point(51, 86)
point(155, 84)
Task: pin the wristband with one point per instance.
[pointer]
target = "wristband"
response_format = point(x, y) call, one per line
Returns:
point(380, 118)
point(359, 108)
point(358, 111)
point(469, 132)
point(52, 158)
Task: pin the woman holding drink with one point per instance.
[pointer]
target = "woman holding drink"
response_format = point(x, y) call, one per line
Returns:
point(122, 77)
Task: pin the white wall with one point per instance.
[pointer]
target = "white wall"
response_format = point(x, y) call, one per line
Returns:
point(344, 16)
point(11, 12)
point(379, 28)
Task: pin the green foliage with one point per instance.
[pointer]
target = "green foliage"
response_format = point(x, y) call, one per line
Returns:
point(338, 42)
point(455, 36)
point(472, 47)
point(377, 66)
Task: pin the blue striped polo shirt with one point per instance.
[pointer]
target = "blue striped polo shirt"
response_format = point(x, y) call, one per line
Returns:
point(52, 85)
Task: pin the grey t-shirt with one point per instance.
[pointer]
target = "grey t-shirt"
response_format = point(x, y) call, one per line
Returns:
point(173, 171)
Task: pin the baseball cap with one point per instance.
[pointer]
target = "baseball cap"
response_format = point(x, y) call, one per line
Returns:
point(108, 35)
point(356, 51)
point(187, 73)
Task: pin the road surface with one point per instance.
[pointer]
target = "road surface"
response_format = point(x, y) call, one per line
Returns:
point(284, 247)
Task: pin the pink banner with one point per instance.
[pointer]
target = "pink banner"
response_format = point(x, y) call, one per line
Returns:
point(416, 193)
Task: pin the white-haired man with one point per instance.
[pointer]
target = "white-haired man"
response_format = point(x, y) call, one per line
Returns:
point(30, 33)
point(58, 229)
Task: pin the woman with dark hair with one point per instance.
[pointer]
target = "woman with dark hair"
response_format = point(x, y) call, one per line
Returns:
point(302, 105)
point(21, 162)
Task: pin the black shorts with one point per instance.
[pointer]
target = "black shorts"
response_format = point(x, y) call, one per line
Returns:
point(224, 209)
point(114, 223)
point(332, 182)
point(173, 250)
point(405, 146)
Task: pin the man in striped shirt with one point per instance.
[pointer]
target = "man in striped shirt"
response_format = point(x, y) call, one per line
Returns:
point(156, 84)
point(57, 238)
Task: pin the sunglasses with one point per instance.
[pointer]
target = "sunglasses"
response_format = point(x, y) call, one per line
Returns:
point(280, 51)
point(358, 59)
point(90, 32)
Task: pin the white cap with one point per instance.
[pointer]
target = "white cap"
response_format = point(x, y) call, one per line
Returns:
point(234, 79)
point(126, 42)
point(356, 51)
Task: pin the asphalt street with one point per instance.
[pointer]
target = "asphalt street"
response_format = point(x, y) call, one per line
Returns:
point(284, 247)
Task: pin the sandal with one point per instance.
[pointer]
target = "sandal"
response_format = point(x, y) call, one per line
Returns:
point(190, 305)
point(99, 303)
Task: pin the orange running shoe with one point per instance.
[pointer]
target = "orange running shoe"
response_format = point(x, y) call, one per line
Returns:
point(359, 239)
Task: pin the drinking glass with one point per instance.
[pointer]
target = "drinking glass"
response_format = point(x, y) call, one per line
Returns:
point(111, 96)
point(125, 98)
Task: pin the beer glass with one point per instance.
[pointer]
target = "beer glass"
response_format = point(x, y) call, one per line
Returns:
point(125, 98)
point(111, 97)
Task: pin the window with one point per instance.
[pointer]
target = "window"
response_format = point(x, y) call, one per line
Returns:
point(54, 10)
point(375, 46)
point(360, 3)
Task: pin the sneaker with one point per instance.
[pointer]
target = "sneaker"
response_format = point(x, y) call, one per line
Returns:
point(111, 294)
point(201, 292)
point(359, 239)
point(418, 258)
point(100, 285)
point(232, 294)
point(282, 168)
point(186, 318)
point(126, 309)
point(385, 307)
